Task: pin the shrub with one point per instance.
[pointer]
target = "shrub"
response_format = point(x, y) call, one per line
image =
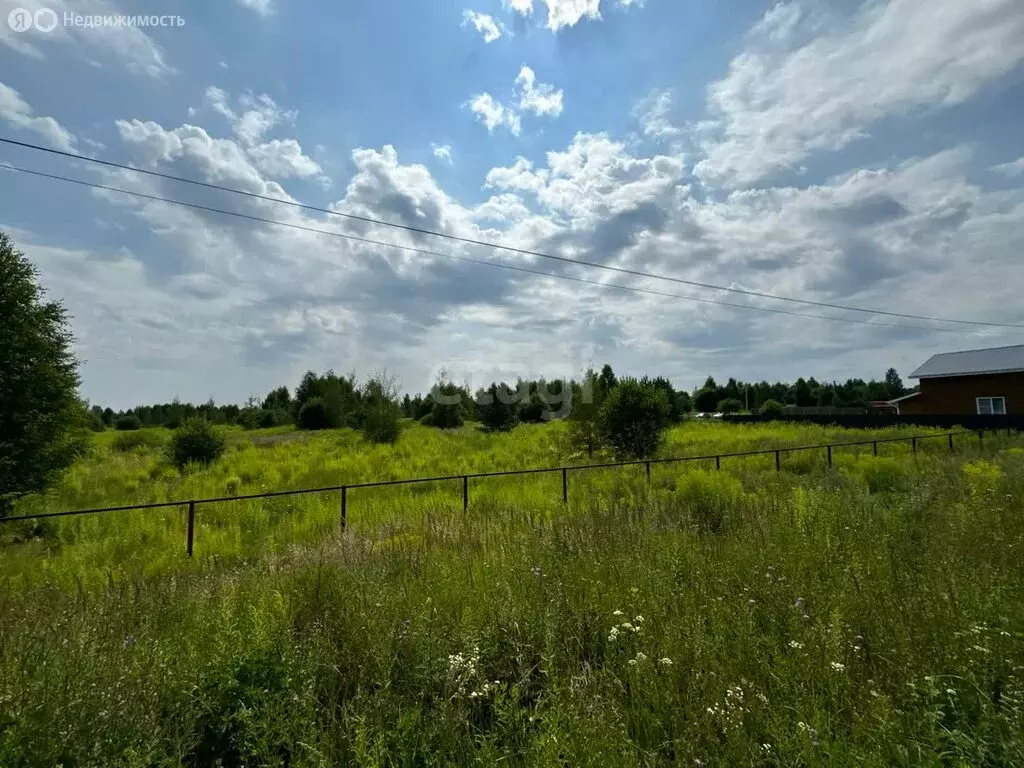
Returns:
point(446, 410)
point(129, 441)
point(313, 415)
point(633, 416)
point(263, 418)
point(730, 405)
point(196, 442)
point(127, 423)
point(771, 408)
point(381, 411)
point(496, 408)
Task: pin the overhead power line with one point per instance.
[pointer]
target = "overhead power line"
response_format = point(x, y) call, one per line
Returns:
point(499, 246)
point(465, 259)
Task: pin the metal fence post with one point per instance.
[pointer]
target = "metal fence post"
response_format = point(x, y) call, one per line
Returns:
point(648, 473)
point(465, 493)
point(913, 443)
point(191, 526)
point(829, 456)
point(344, 508)
point(565, 486)
point(950, 442)
point(718, 462)
point(778, 462)
point(875, 447)
point(981, 437)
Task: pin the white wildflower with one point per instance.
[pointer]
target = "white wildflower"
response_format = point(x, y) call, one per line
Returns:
point(837, 667)
point(617, 613)
point(795, 644)
point(666, 662)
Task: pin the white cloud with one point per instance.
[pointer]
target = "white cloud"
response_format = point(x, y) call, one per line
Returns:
point(442, 152)
point(132, 47)
point(284, 159)
point(653, 114)
point(567, 13)
point(1011, 169)
point(783, 100)
point(258, 114)
point(542, 99)
point(19, 113)
point(492, 113)
point(262, 7)
point(485, 25)
point(523, 7)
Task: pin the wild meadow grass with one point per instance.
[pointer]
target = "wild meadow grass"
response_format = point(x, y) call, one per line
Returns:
point(869, 614)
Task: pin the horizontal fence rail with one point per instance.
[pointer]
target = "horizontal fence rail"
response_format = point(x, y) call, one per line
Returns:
point(191, 504)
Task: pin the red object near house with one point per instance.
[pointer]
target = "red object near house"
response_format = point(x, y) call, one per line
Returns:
point(977, 382)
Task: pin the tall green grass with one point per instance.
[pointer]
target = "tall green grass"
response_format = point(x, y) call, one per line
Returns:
point(871, 614)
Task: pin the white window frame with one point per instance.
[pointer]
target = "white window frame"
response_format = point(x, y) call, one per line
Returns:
point(991, 402)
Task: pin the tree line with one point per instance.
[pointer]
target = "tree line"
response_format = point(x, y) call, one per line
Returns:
point(44, 425)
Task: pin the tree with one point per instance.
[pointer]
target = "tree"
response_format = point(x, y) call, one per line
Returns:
point(446, 405)
point(707, 398)
point(496, 407)
point(196, 442)
point(802, 393)
point(278, 400)
point(313, 415)
point(43, 424)
point(584, 422)
point(730, 405)
point(633, 416)
point(128, 423)
point(607, 380)
point(381, 411)
point(894, 384)
point(771, 408)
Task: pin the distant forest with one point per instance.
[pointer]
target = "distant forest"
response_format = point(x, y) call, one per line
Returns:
point(340, 401)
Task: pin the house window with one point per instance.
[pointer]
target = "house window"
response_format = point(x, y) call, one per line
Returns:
point(991, 406)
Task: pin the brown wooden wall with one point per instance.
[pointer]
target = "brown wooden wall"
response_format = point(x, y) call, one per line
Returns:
point(956, 394)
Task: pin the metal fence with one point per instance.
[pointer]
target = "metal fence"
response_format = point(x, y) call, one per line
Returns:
point(191, 504)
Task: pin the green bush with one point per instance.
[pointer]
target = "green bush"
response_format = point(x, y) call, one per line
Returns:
point(128, 423)
point(730, 405)
point(313, 415)
point(196, 442)
point(496, 408)
point(143, 438)
point(633, 416)
point(380, 410)
point(771, 408)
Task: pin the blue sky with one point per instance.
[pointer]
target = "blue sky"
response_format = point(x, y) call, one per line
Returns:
point(864, 154)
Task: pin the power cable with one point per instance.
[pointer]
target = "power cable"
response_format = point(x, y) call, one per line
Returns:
point(511, 249)
point(500, 265)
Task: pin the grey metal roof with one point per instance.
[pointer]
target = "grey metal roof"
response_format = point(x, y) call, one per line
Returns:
point(973, 363)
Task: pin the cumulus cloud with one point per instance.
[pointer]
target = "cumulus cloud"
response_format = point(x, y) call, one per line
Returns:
point(492, 113)
point(522, 7)
point(251, 121)
point(442, 152)
point(810, 82)
point(567, 13)
point(653, 113)
point(488, 28)
point(541, 99)
point(19, 113)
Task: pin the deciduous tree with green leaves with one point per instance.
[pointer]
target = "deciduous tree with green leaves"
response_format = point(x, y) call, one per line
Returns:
point(43, 425)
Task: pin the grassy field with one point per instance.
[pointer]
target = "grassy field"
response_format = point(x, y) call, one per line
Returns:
point(870, 615)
